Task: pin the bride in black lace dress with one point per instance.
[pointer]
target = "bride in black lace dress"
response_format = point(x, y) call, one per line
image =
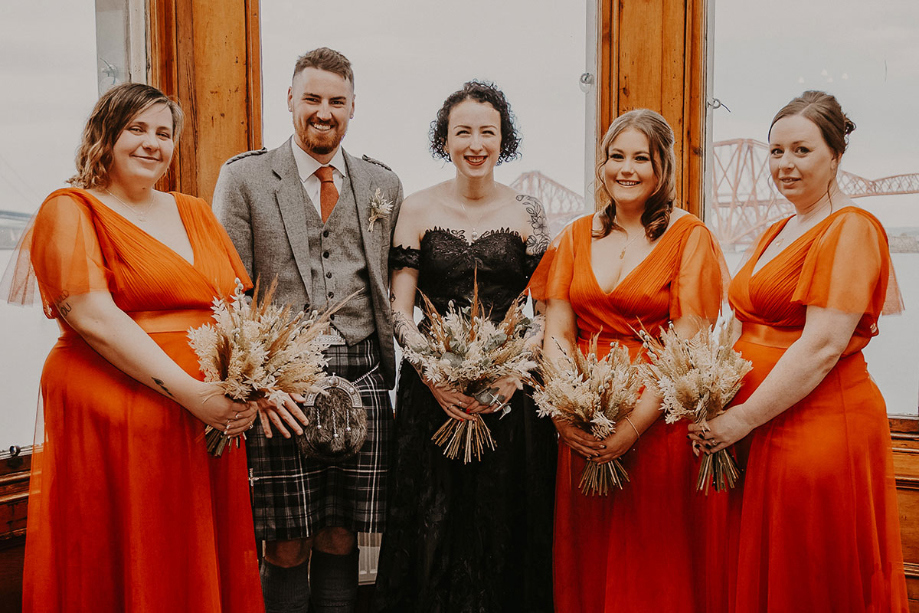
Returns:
point(471, 537)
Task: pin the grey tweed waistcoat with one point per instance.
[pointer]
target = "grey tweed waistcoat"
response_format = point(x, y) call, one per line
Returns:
point(339, 266)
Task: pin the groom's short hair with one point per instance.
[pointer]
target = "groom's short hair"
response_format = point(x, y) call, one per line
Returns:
point(326, 59)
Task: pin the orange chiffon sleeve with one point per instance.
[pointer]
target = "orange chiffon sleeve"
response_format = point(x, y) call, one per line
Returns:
point(552, 278)
point(59, 254)
point(849, 269)
point(701, 285)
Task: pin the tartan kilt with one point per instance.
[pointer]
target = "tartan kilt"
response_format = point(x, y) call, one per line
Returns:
point(293, 497)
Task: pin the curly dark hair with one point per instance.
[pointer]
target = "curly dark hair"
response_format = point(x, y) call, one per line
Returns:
point(487, 93)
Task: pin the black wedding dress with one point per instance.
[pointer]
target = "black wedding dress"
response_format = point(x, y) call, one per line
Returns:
point(477, 537)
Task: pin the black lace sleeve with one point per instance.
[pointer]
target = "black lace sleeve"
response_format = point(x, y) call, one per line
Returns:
point(404, 257)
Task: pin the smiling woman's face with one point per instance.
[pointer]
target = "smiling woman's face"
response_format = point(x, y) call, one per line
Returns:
point(474, 138)
point(801, 163)
point(629, 173)
point(144, 148)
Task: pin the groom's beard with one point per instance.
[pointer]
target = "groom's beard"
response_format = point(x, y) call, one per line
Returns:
point(321, 143)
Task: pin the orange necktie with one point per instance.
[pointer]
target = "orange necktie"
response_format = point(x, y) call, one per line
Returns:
point(328, 193)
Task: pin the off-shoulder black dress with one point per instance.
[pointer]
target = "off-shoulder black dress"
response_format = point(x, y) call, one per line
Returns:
point(471, 537)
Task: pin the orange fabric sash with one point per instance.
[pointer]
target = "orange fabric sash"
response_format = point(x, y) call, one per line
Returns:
point(770, 336)
point(170, 321)
point(782, 338)
point(153, 322)
point(604, 340)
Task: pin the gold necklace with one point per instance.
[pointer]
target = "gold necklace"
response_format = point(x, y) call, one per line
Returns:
point(140, 213)
point(629, 242)
point(622, 253)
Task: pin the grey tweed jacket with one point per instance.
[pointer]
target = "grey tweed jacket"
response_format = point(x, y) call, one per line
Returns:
point(260, 201)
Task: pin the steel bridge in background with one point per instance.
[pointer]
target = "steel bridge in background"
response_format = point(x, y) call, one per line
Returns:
point(746, 200)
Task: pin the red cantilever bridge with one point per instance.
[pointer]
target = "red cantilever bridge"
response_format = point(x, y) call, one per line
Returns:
point(746, 200)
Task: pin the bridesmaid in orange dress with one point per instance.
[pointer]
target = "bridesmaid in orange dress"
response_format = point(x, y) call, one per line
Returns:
point(127, 511)
point(638, 262)
point(818, 528)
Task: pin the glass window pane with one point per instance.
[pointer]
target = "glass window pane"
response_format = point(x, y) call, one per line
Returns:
point(410, 56)
point(766, 53)
point(50, 84)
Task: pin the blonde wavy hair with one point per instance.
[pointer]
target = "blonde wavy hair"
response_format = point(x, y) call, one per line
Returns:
point(111, 115)
point(656, 215)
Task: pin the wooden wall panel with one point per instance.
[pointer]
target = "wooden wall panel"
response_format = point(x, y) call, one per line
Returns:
point(14, 502)
point(906, 468)
point(651, 55)
point(206, 55)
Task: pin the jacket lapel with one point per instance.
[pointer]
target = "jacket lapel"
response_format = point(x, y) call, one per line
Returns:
point(292, 200)
point(362, 187)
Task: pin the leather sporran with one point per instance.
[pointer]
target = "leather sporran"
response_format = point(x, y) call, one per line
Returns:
point(338, 421)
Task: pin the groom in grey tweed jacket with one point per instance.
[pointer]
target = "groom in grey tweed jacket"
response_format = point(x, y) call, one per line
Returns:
point(307, 512)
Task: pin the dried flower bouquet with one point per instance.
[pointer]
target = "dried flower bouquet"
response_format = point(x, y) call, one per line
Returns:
point(593, 394)
point(467, 351)
point(259, 350)
point(696, 379)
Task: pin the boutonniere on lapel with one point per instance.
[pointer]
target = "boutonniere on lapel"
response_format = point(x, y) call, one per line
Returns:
point(380, 208)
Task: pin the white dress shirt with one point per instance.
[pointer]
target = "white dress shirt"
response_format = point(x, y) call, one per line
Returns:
point(307, 166)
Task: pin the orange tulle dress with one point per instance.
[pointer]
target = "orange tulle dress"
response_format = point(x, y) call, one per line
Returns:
point(638, 549)
point(818, 529)
point(127, 511)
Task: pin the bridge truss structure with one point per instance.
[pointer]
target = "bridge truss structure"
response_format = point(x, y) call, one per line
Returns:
point(746, 200)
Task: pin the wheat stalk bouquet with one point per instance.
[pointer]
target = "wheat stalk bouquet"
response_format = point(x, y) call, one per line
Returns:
point(593, 394)
point(467, 351)
point(254, 350)
point(696, 379)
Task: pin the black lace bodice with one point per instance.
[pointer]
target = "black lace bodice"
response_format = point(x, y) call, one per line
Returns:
point(447, 264)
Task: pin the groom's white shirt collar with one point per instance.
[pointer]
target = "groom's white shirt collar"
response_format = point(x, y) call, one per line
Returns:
point(307, 166)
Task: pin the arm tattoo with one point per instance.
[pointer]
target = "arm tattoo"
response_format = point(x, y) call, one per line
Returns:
point(60, 303)
point(163, 387)
point(538, 241)
point(406, 332)
point(534, 334)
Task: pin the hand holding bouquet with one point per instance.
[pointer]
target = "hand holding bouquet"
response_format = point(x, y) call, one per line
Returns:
point(696, 379)
point(259, 350)
point(468, 352)
point(593, 394)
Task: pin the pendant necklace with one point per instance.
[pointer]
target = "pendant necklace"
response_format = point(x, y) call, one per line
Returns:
point(140, 213)
point(629, 242)
point(475, 224)
point(622, 253)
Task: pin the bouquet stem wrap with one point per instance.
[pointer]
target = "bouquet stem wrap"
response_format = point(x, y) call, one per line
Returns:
point(467, 351)
point(592, 394)
point(696, 379)
point(259, 350)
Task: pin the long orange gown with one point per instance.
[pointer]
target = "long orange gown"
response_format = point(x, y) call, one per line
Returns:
point(634, 550)
point(818, 527)
point(127, 511)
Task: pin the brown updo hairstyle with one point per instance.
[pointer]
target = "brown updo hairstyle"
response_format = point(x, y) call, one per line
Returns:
point(656, 215)
point(824, 110)
point(111, 115)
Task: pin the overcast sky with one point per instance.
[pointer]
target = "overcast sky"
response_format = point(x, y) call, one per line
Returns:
point(409, 55)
